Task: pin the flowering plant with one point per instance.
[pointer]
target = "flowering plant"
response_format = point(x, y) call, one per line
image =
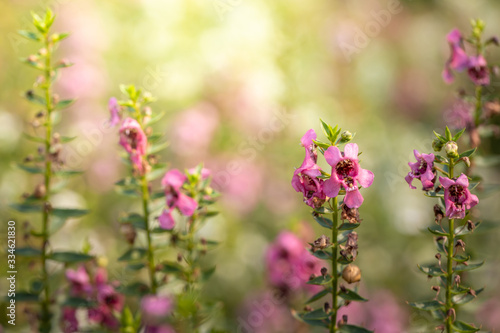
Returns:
point(321, 191)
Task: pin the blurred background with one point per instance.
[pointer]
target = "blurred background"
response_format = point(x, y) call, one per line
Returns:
point(241, 81)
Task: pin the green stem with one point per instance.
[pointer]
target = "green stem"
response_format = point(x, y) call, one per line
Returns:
point(145, 207)
point(449, 264)
point(479, 106)
point(45, 324)
point(335, 231)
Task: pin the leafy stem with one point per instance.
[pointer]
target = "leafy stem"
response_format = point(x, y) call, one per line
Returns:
point(45, 325)
point(449, 264)
point(335, 275)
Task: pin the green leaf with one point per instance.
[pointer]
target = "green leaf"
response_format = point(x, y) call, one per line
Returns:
point(155, 118)
point(465, 298)
point(432, 194)
point(468, 153)
point(461, 258)
point(440, 137)
point(56, 223)
point(427, 305)
point(342, 236)
point(26, 208)
point(67, 173)
point(135, 219)
point(36, 99)
point(30, 169)
point(438, 230)
point(36, 286)
point(59, 37)
point(323, 210)
point(128, 182)
point(440, 159)
point(315, 314)
point(65, 213)
point(38, 23)
point(319, 295)
point(324, 222)
point(321, 144)
point(34, 138)
point(462, 327)
point(350, 295)
point(458, 135)
point(353, 329)
point(448, 135)
point(322, 254)
point(24, 296)
point(29, 35)
point(64, 103)
point(135, 253)
point(431, 269)
point(348, 226)
point(207, 273)
point(157, 147)
point(66, 139)
point(136, 266)
point(70, 257)
point(28, 252)
point(171, 267)
point(461, 231)
point(468, 267)
point(157, 171)
point(328, 131)
point(77, 302)
point(134, 289)
point(321, 280)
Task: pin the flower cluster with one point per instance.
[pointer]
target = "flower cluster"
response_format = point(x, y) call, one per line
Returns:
point(290, 265)
point(476, 65)
point(103, 301)
point(134, 141)
point(155, 309)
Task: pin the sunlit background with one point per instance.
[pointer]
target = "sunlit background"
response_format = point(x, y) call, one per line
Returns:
point(241, 81)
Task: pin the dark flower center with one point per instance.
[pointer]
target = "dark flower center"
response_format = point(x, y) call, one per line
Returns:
point(478, 72)
point(345, 168)
point(132, 137)
point(421, 168)
point(457, 193)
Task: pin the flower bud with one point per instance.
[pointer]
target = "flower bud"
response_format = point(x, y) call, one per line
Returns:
point(437, 145)
point(102, 261)
point(466, 161)
point(451, 149)
point(40, 191)
point(324, 270)
point(346, 136)
point(351, 274)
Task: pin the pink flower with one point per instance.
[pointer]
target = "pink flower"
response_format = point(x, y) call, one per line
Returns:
point(458, 60)
point(155, 308)
point(159, 329)
point(289, 264)
point(79, 281)
point(108, 296)
point(345, 173)
point(114, 109)
point(205, 173)
point(478, 71)
point(173, 181)
point(69, 321)
point(457, 196)
point(422, 170)
point(135, 142)
point(305, 179)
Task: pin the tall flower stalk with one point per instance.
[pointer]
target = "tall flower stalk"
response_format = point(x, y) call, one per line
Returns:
point(321, 191)
point(48, 163)
point(454, 204)
point(187, 194)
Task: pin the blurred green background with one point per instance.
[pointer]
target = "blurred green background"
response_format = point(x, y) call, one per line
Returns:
point(241, 81)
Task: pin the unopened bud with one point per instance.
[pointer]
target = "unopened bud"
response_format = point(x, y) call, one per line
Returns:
point(42, 51)
point(351, 274)
point(437, 145)
point(323, 271)
point(346, 136)
point(470, 225)
point(438, 256)
point(32, 58)
point(40, 191)
point(102, 261)
point(451, 149)
point(457, 280)
point(466, 161)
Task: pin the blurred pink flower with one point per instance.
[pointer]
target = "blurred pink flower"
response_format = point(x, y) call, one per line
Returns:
point(159, 329)
point(193, 129)
point(290, 265)
point(422, 170)
point(478, 70)
point(460, 114)
point(458, 60)
point(346, 173)
point(135, 142)
point(155, 308)
point(114, 110)
point(489, 314)
point(457, 196)
point(79, 281)
point(69, 323)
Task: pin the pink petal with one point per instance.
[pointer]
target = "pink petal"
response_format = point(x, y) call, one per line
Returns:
point(333, 156)
point(331, 187)
point(472, 201)
point(429, 158)
point(365, 177)
point(454, 37)
point(186, 204)
point(353, 199)
point(307, 139)
point(351, 151)
point(459, 59)
point(447, 75)
point(409, 180)
point(446, 182)
point(166, 220)
point(463, 181)
point(416, 154)
point(173, 178)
